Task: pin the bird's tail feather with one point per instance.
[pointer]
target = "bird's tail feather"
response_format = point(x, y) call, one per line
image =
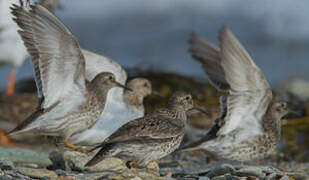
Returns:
point(106, 151)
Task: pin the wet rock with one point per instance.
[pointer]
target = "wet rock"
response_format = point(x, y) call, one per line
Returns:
point(219, 178)
point(250, 171)
point(284, 178)
point(57, 160)
point(37, 173)
point(271, 176)
point(298, 176)
point(222, 170)
point(75, 161)
point(6, 165)
point(19, 155)
point(203, 178)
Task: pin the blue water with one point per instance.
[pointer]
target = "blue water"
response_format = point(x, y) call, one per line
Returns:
point(154, 33)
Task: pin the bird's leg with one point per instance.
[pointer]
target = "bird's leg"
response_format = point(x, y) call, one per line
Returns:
point(75, 148)
point(5, 141)
point(10, 84)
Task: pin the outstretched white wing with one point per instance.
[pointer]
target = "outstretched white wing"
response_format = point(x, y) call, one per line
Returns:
point(250, 94)
point(58, 62)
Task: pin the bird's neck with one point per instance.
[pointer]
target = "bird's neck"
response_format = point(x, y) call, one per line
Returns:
point(133, 99)
point(100, 94)
point(180, 113)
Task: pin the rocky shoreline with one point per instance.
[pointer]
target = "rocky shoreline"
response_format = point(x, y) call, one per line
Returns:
point(17, 163)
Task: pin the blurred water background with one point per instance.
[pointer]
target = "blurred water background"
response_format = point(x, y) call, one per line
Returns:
point(153, 34)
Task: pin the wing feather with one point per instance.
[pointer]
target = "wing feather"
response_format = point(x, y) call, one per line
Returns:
point(59, 65)
point(209, 56)
point(154, 125)
point(231, 66)
point(250, 93)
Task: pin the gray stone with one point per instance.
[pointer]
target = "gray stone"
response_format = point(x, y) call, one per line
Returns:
point(284, 178)
point(223, 169)
point(203, 178)
point(57, 160)
point(6, 164)
point(76, 161)
point(61, 172)
point(219, 178)
point(37, 173)
point(19, 155)
point(299, 176)
point(250, 171)
point(271, 176)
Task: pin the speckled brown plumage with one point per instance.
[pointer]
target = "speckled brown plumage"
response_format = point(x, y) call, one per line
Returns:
point(151, 137)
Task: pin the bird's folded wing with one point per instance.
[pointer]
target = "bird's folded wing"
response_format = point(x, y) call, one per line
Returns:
point(156, 126)
point(250, 93)
point(57, 59)
point(209, 56)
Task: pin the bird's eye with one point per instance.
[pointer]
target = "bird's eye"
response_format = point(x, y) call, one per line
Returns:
point(110, 77)
point(283, 105)
point(145, 85)
point(188, 98)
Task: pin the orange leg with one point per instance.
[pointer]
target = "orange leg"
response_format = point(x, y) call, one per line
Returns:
point(6, 142)
point(73, 147)
point(11, 83)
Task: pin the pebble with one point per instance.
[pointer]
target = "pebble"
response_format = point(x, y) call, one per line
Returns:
point(251, 171)
point(223, 169)
point(284, 178)
point(271, 176)
point(203, 178)
point(37, 173)
point(6, 165)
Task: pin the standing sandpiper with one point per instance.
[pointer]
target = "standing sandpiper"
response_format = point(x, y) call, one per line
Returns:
point(151, 137)
point(68, 103)
point(250, 123)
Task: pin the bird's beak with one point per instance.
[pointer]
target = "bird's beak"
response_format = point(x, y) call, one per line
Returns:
point(203, 110)
point(291, 110)
point(156, 93)
point(122, 86)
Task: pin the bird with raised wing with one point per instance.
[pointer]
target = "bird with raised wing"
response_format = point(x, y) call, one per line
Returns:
point(250, 122)
point(148, 138)
point(69, 104)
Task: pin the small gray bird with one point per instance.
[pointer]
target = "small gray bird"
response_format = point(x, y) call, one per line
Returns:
point(250, 122)
point(151, 137)
point(69, 104)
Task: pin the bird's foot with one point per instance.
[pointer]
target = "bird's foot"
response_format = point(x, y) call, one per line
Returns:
point(75, 148)
point(132, 164)
point(5, 141)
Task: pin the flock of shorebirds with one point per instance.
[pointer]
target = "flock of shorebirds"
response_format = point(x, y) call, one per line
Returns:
point(84, 100)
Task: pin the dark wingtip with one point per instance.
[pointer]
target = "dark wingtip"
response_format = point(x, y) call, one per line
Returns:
point(91, 162)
